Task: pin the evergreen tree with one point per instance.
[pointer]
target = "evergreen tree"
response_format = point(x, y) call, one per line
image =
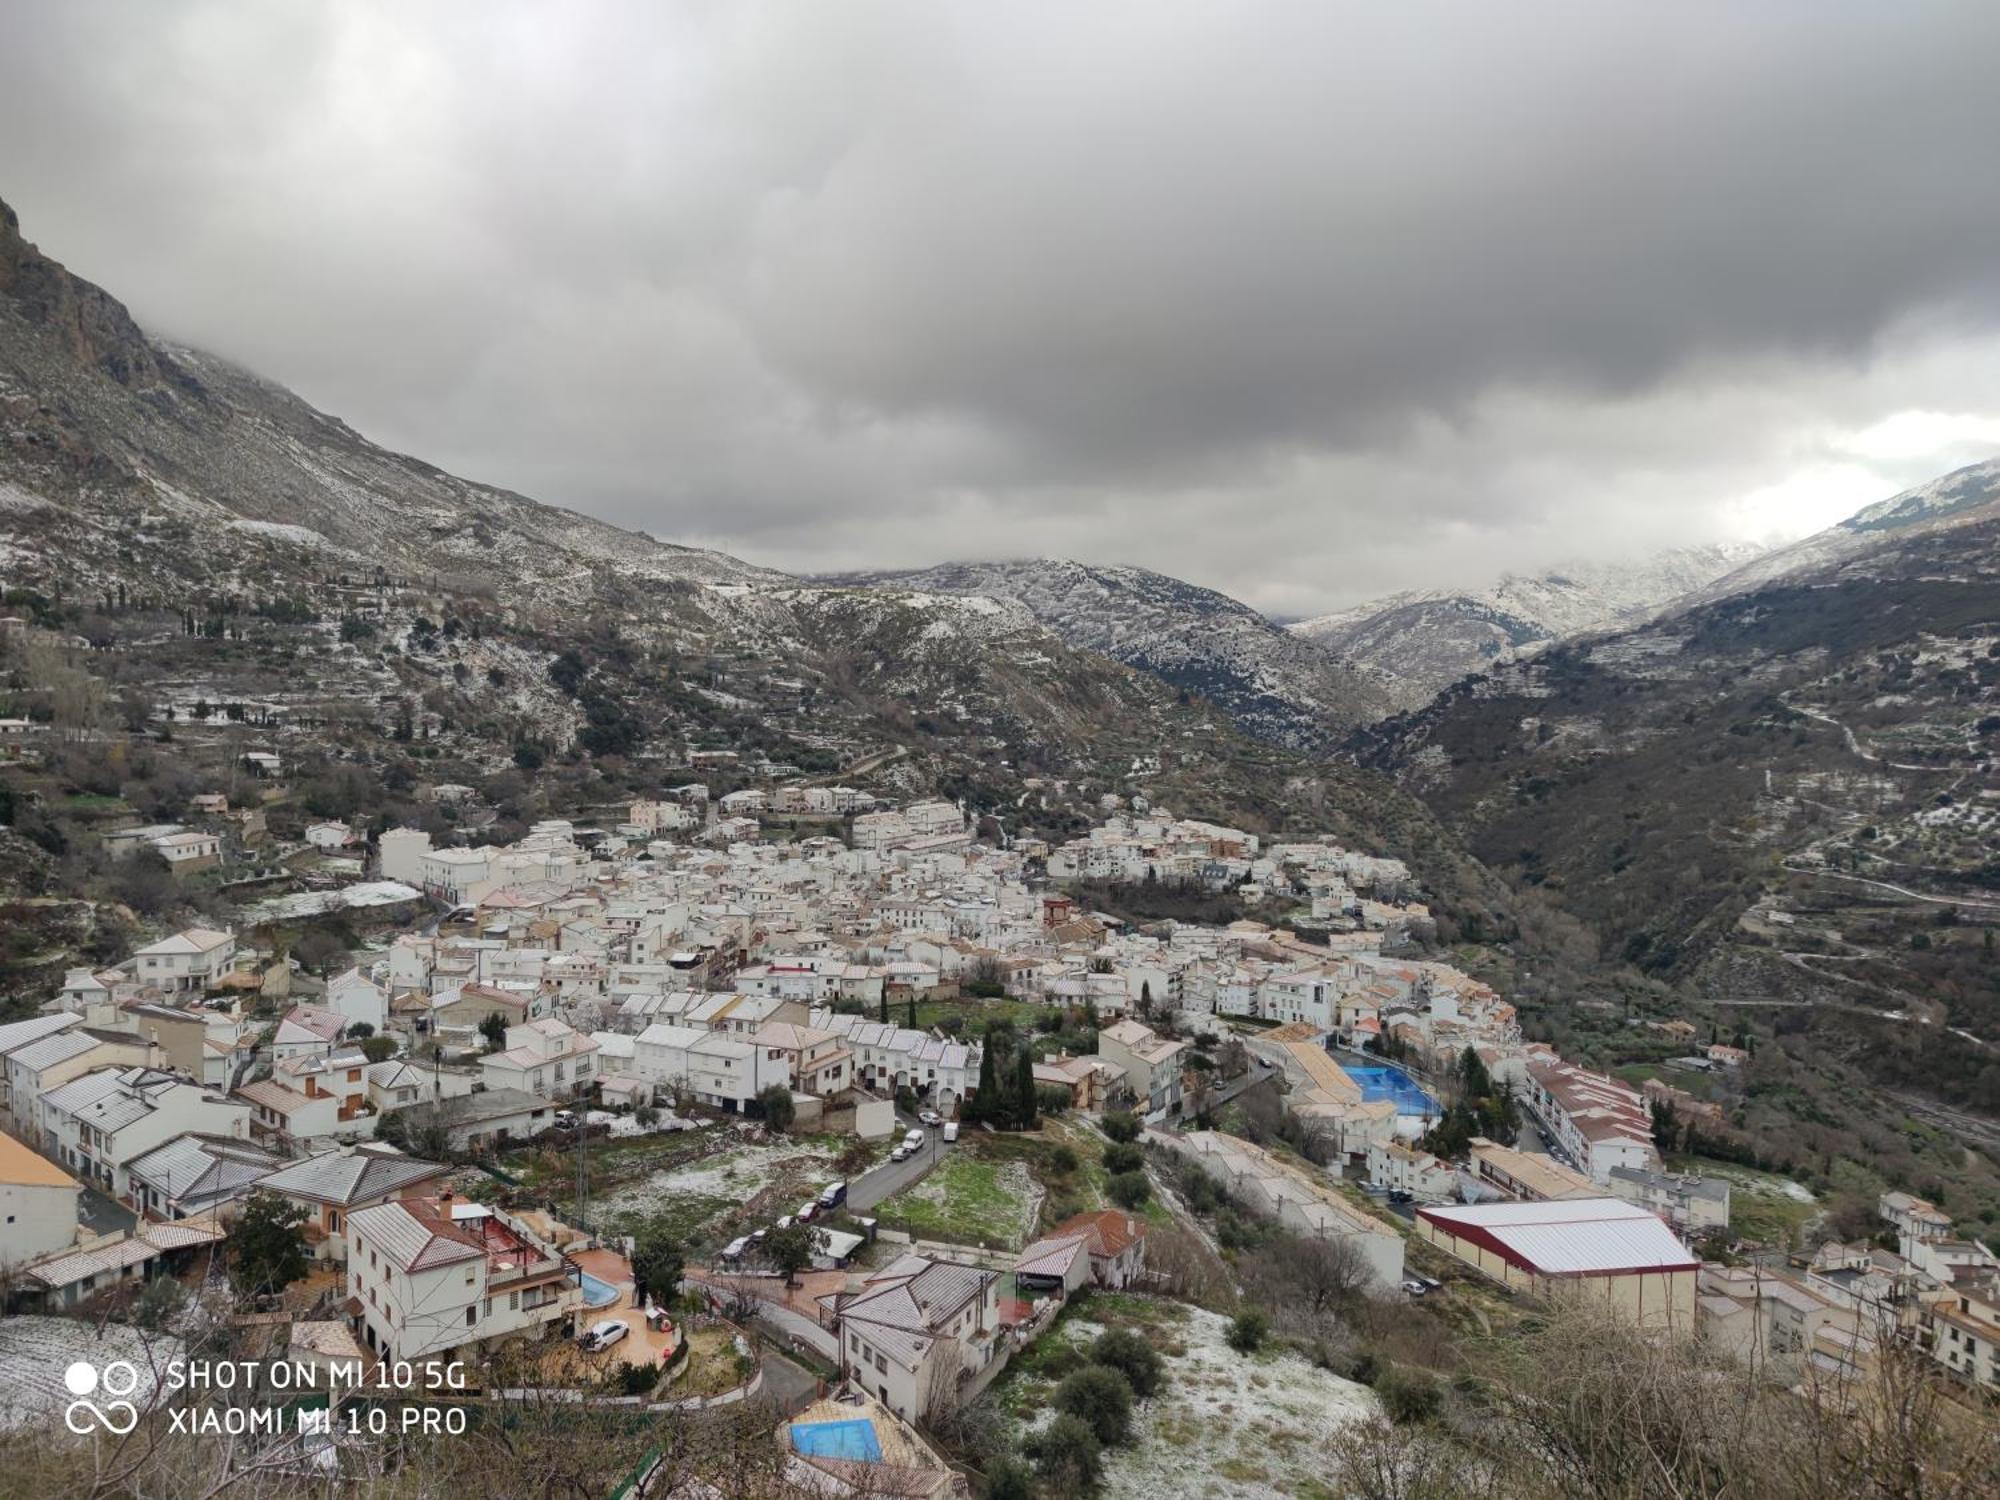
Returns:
point(980, 1105)
point(911, 1014)
point(1024, 1088)
point(883, 1016)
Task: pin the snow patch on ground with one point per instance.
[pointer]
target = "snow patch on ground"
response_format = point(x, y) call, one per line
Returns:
point(1226, 1427)
point(280, 531)
point(34, 1353)
point(736, 1174)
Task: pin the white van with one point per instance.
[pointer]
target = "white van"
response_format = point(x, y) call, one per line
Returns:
point(950, 1132)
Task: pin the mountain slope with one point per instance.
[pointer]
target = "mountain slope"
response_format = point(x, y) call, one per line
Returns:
point(1784, 798)
point(1423, 642)
point(1277, 687)
point(200, 558)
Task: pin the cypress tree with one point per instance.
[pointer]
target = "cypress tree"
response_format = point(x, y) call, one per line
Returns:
point(883, 1017)
point(1024, 1088)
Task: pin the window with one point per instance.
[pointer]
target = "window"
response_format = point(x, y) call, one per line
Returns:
point(471, 1314)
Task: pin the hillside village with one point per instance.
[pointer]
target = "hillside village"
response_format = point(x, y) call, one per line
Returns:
point(545, 1043)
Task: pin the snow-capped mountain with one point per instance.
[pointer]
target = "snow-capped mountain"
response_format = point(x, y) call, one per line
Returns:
point(1421, 642)
point(1960, 497)
point(1278, 686)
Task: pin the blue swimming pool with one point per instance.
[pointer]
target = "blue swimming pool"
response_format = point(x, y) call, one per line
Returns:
point(598, 1293)
point(1393, 1084)
point(854, 1440)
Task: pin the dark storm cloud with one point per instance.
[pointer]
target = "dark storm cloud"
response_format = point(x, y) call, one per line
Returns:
point(1301, 301)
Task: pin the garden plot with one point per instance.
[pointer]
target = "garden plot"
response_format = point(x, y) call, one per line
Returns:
point(1224, 1426)
point(968, 1199)
point(765, 1179)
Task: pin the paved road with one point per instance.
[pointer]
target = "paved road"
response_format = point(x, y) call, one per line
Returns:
point(890, 1178)
point(102, 1215)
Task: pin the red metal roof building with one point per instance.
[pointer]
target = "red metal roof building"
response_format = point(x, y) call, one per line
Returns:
point(1604, 1248)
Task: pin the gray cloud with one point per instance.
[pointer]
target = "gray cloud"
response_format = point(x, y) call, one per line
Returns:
point(1303, 302)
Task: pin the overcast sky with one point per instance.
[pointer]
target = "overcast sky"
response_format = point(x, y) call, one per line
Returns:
point(1303, 302)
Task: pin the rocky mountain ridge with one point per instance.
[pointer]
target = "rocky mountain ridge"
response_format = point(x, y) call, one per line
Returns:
point(1420, 642)
point(1274, 685)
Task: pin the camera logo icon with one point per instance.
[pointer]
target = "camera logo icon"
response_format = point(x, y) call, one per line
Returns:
point(118, 1378)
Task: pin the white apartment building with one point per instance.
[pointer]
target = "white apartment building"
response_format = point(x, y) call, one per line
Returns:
point(1596, 1121)
point(433, 1276)
point(720, 1071)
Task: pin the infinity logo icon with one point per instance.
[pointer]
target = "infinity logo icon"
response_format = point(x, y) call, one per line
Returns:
point(119, 1378)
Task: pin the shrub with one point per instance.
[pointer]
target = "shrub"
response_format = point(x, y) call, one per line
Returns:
point(1100, 1397)
point(1408, 1395)
point(1120, 1159)
point(1007, 1478)
point(776, 1103)
point(1129, 1190)
point(1122, 1125)
point(1069, 1456)
point(1131, 1356)
point(1062, 1161)
point(1247, 1331)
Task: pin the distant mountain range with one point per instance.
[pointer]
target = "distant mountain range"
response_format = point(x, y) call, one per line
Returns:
point(1419, 643)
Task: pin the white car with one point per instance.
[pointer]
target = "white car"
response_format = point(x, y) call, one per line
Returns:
point(735, 1248)
point(914, 1140)
point(931, 1117)
point(901, 1153)
point(603, 1335)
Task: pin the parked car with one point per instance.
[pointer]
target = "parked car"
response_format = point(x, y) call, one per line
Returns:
point(931, 1117)
point(785, 1223)
point(1431, 1284)
point(757, 1236)
point(901, 1153)
point(603, 1335)
point(564, 1120)
point(735, 1248)
point(1401, 1195)
point(1414, 1287)
point(806, 1212)
point(951, 1132)
point(914, 1140)
point(832, 1196)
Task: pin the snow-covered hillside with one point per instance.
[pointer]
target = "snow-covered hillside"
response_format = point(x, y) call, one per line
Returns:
point(1278, 686)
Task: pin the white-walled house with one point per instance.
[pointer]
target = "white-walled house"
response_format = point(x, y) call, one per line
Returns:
point(307, 1031)
point(359, 999)
point(312, 1098)
point(431, 1276)
point(400, 855)
point(918, 1333)
point(1152, 1066)
point(546, 1056)
point(98, 1124)
point(718, 1070)
point(189, 960)
point(37, 1205)
point(336, 1184)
